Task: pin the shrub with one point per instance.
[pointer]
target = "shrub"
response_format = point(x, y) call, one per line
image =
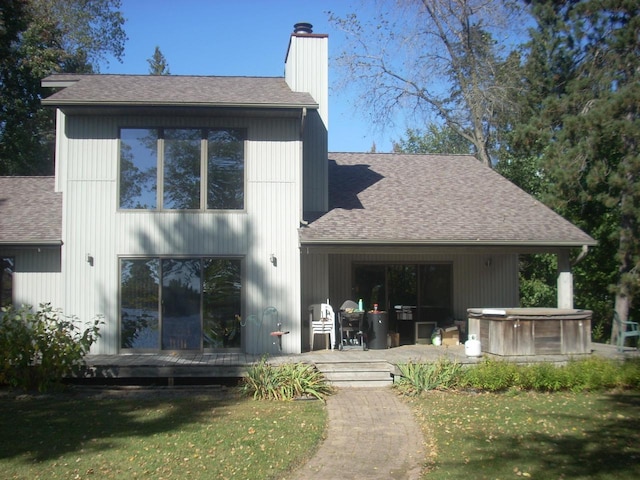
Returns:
point(629, 374)
point(284, 382)
point(38, 349)
point(420, 377)
point(489, 375)
point(541, 377)
point(585, 374)
point(597, 374)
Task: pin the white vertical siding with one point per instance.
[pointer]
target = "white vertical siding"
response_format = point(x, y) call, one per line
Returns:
point(307, 70)
point(273, 208)
point(315, 288)
point(316, 167)
point(37, 277)
point(94, 226)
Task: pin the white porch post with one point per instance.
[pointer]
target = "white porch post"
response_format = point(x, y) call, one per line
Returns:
point(565, 280)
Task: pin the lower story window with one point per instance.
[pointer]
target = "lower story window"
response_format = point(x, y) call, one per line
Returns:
point(424, 291)
point(7, 267)
point(180, 303)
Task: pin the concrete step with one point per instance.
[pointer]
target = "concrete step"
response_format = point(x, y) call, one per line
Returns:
point(357, 374)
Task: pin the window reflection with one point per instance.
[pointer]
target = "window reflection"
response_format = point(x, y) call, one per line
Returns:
point(221, 303)
point(7, 267)
point(225, 166)
point(181, 169)
point(139, 316)
point(183, 176)
point(181, 290)
point(138, 174)
point(180, 304)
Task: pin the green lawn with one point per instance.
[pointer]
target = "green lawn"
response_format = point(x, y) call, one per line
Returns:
point(531, 435)
point(154, 434)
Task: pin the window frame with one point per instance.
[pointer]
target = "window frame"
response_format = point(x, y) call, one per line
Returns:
point(241, 132)
point(160, 260)
point(12, 262)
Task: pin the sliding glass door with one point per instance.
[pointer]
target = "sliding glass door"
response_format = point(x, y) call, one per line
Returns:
point(180, 303)
point(423, 291)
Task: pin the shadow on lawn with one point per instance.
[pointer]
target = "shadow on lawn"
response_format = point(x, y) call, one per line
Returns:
point(605, 447)
point(44, 427)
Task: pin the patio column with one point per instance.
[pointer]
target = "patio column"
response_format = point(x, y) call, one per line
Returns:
point(565, 280)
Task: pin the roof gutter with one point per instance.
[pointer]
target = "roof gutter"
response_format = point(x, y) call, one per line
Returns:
point(283, 106)
point(449, 243)
point(32, 243)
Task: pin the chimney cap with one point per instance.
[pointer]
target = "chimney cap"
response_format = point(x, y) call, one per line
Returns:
point(302, 27)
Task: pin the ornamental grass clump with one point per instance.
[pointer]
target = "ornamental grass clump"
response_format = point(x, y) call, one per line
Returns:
point(38, 349)
point(285, 382)
point(421, 377)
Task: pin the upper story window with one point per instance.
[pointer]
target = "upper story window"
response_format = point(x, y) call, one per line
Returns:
point(181, 169)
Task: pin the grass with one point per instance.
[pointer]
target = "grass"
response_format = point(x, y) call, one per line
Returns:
point(161, 434)
point(531, 435)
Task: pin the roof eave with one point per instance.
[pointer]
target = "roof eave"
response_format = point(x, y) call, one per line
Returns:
point(31, 243)
point(72, 103)
point(447, 243)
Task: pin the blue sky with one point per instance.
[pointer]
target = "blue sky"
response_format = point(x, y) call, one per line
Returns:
point(245, 37)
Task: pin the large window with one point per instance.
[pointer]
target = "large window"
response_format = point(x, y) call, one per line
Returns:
point(426, 290)
point(180, 303)
point(7, 267)
point(182, 168)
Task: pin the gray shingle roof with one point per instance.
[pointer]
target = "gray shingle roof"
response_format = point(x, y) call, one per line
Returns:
point(30, 211)
point(174, 90)
point(432, 199)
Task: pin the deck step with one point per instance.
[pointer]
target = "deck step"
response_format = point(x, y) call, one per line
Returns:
point(357, 374)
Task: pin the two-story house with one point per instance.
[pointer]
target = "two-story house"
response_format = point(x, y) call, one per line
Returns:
point(183, 207)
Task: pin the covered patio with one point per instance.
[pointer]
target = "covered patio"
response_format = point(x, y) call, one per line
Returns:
point(426, 237)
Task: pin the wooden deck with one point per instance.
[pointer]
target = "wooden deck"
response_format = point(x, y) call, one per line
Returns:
point(371, 366)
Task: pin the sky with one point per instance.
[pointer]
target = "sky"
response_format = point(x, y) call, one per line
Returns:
point(246, 38)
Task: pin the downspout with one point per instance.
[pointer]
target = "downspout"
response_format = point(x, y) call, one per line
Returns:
point(303, 117)
point(583, 254)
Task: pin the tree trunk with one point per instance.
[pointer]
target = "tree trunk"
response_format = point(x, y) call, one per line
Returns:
point(623, 292)
point(622, 307)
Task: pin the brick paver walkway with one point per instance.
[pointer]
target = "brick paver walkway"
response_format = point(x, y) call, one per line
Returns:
point(371, 434)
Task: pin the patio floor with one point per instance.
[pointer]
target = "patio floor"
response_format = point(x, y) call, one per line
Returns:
point(220, 365)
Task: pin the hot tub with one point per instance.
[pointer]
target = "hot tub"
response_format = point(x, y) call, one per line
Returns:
point(531, 331)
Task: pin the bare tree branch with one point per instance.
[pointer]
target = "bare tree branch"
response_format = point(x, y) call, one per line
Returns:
point(433, 58)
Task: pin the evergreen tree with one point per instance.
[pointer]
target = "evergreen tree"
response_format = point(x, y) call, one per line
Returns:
point(436, 139)
point(582, 123)
point(158, 64)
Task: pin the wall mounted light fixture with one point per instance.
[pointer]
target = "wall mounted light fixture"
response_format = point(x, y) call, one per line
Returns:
point(90, 259)
point(273, 259)
point(488, 262)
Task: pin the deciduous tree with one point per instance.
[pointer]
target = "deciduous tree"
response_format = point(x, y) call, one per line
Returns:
point(434, 58)
point(37, 38)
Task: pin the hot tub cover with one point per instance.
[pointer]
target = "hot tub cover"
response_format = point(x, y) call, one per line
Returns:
point(530, 313)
